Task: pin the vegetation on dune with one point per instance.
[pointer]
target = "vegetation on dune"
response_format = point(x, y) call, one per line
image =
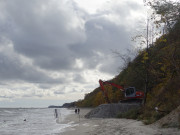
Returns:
point(163, 71)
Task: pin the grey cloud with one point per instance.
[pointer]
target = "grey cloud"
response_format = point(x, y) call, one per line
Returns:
point(73, 90)
point(53, 36)
point(45, 86)
point(78, 78)
point(12, 69)
point(6, 97)
point(108, 37)
point(43, 35)
point(125, 8)
point(59, 92)
point(31, 95)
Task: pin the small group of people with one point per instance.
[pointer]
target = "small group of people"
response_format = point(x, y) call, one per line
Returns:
point(77, 110)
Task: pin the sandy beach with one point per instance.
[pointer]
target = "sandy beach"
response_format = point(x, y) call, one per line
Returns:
point(99, 126)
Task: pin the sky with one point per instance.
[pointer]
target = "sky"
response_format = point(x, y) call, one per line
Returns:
point(55, 51)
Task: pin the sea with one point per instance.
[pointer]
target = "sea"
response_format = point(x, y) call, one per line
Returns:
point(33, 121)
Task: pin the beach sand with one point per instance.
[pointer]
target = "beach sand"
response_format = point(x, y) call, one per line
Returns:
point(99, 126)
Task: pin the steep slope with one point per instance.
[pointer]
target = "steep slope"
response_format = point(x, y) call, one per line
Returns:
point(164, 78)
point(171, 120)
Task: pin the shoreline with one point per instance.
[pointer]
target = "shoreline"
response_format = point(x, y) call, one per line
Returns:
point(79, 124)
point(110, 126)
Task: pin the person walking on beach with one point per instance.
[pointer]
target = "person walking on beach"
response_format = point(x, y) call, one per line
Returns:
point(75, 110)
point(55, 113)
point(78, 110)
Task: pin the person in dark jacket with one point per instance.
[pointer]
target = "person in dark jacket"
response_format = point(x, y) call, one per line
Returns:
point(78, 110)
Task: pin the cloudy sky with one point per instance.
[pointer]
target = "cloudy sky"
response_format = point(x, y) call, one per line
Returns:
point(55, 51)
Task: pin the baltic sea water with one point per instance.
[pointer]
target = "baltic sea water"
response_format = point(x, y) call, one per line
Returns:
point(32, 121)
